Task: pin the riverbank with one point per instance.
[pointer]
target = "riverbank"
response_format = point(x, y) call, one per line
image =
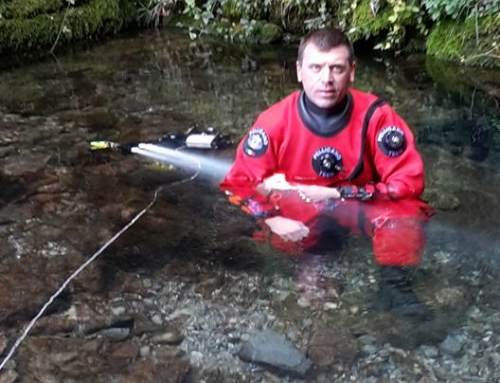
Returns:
point(466, 35)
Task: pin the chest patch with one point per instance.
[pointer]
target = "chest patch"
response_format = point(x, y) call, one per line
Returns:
point(327, 162)
point(256, 143)
point(392, 141)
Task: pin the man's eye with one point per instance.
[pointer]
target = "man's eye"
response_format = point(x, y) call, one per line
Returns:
point(315, 68)
point(337, 69)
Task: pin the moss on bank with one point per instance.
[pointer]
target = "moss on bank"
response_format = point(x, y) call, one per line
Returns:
point(28, 8)
point(38, 33)
point(34, 25)
point(467, 42)
point(366, 25)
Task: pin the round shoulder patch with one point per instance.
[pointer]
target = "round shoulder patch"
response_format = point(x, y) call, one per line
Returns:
point(392, 141)
point(256, 143)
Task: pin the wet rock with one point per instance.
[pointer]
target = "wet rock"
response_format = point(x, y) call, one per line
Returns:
point(165, 370)
point(274, 350)
point(84, 317)
point(441, 200)
point(28, 163)
point(144, 325)
point(328, 347)
point(128, 350)
point(116, 334)
point(209, 284)
point(430, 351)
point(98, 119)
point(196, 358)
point(47, 358)
point(455, 297)
point(7, 151)
point(166, 352)
point(453, 344)
point(22, 300)
point(3, 344)
point(172, 337)
point(8, 376)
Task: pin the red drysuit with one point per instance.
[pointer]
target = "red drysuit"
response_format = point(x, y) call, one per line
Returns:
point(371, 158)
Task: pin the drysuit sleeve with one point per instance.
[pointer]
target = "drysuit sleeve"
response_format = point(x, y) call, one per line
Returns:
point(399, 166)
point(255, 161)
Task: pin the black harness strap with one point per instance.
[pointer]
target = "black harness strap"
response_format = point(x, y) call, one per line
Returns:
point(359, 166)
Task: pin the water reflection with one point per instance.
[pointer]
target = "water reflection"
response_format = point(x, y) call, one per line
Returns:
point(192, 254)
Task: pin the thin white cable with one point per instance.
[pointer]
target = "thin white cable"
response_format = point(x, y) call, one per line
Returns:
point(73, 275)
point(93, 257)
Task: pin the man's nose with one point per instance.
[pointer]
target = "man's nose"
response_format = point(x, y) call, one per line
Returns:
point(326, 74)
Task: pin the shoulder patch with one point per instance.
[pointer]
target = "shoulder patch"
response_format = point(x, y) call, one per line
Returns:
point(392, 141)
point(256, 143)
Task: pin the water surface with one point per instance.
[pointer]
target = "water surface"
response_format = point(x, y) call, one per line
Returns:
point(59, 202)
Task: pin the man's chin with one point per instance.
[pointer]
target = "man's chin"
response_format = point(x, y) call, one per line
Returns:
point(326, 103)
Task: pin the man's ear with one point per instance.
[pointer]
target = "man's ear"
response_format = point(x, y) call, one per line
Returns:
point(353, 71)
point(299, 74)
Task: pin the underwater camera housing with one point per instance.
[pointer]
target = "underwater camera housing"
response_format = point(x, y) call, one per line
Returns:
point(209, 138)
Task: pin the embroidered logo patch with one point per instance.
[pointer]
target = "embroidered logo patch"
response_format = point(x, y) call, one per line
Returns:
point(256, 143)
point(327, 162)
point(392, 141)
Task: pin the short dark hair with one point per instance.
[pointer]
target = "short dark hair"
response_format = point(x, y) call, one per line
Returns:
point(325, 39)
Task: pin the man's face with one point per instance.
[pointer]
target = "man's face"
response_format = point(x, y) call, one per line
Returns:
point(325, 76)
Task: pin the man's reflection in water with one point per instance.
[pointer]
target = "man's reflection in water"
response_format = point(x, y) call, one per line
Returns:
point(398, 239)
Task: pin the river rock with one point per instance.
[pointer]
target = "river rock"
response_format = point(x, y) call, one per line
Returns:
point(328, 347)
point(274, 350)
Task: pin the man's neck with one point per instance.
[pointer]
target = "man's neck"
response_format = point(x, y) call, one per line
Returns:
point(325, 121)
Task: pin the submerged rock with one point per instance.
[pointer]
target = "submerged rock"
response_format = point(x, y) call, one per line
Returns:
point(274, 350)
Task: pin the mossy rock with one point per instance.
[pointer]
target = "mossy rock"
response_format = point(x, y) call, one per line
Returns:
point(469, 42)
point(441, 200)
point(235, 10)
point(29, 8)
point(266, 33)
point(368, 25)
point(261, 32)
point(293, 15)
point(37, 34)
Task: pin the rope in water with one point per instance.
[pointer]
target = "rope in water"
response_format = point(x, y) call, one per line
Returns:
point(90, 260)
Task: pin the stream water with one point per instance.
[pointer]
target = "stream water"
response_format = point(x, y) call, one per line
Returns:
point(59, 202)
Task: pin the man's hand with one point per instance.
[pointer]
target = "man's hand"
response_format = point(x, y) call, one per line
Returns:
point(276, 182)
point(288, 229)
point(314, 193)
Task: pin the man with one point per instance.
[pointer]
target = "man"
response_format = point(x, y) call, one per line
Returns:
point(344, 155)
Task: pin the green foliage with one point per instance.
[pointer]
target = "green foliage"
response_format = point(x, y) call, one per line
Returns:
point(234, 10)
point(233, 20)
point(302, 15)
point(396, 25)
point(29, 8)
point(365, 24)
point(388, 26)
point(456, 9)
point(400, 21)
point(39, 33)
point(472, 42)
point(438, 9)
point(392, 24)
point(152, 12)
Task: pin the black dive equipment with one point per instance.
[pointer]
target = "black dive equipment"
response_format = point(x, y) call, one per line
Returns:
point(206, 139)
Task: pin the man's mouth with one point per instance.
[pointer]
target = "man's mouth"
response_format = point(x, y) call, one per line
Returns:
point(327, 92)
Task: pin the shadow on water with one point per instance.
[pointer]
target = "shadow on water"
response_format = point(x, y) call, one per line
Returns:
point(59, 202)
